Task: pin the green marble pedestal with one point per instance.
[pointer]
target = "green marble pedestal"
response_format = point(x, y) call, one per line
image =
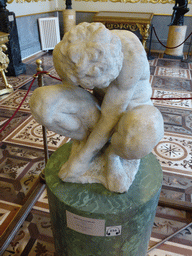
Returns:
point(89, 220)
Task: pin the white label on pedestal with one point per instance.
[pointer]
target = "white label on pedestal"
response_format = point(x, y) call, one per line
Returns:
point(87, 226)
point(70, 17)
point(113, 231)
point(11, 18)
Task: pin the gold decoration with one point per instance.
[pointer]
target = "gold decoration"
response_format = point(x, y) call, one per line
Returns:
point(29, 1)
point(126, 20)
point(4, 62)
point(144, 31)
point(135, 1)
point(114, 1)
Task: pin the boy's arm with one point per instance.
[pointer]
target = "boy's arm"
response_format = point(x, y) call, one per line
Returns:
point(114, 104)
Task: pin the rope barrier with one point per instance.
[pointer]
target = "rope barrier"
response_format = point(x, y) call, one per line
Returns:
point(7, 123)
point(47, 73)
point(168, 46)
point(171, 98)
point(35, 76)
point(54, 77)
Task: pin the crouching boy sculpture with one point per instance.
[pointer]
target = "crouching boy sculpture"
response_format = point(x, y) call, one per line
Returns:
point(111, 128)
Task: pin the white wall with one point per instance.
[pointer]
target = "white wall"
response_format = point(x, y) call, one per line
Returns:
point(158, 8)
point(25, 8)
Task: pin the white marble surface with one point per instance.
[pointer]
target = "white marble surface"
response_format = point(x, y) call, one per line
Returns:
point(113, 128)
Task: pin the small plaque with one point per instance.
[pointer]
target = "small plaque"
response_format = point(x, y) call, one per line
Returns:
point(71, 17)
point(87, 226)
point(113, 231)
point(11, 18)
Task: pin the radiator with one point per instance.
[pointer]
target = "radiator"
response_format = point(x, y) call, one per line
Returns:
point(49, 32)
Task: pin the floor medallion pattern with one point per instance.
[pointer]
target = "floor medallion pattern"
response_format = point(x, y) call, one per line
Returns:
point(29, 133)
point(174, 153)
point(14, 99)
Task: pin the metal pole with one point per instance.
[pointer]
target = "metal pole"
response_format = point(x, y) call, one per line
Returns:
point(189, 59)
point(40, 84)
point(14, 226)
point(149, 53)
point(169, 237)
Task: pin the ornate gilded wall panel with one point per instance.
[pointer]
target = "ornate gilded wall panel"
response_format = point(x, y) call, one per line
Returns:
point(24, 1)
point(132, 27)
point(134, 1)
point(114, 1)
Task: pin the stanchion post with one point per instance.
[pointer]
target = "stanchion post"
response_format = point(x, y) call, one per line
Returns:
point(150, 41)
point(40, 84)
point(189, 58)
point(69, 16)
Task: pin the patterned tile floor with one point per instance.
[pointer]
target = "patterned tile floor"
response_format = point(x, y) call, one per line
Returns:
point(22, 160)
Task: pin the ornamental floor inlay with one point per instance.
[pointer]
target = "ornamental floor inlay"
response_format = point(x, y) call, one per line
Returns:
point(153, 62)
point(42, 203)
point(8, 212)
point(167, 63)
point(171, 83)
point(18, 81)
point(178, 120)
point(19, 172)
point(173, 72)
point(179, 103)
point(5, 115)
point(29, 133)
point(35, 236)
point(14, 99)
point(174, 153)
point(170, 249)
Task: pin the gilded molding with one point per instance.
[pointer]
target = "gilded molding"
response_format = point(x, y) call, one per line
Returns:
point(132, 27)
point(136, 1)
point(26, 1)
point(114, 1)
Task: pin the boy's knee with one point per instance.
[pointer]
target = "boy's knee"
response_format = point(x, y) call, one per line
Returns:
point(138, 132)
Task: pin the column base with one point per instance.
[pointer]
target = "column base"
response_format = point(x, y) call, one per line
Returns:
point(166, 56)
point(69, 19)
point(175, 37)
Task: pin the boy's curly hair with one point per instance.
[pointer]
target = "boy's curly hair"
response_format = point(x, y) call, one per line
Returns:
point(89, 55)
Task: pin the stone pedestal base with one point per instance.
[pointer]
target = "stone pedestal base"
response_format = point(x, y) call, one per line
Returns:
point(175, 37)
point(69, 19)
point(89, 220)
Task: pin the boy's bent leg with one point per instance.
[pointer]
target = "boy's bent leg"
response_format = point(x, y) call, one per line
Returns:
point(120, 172)
point(65, 109)
point(138, 132)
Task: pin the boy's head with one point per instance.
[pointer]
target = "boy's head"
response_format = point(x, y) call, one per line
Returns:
point(89, 55)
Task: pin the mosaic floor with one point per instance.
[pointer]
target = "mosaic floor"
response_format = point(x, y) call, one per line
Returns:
point(22, 160)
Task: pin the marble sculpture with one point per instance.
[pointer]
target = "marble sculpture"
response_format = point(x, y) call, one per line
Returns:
point(103, 104)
